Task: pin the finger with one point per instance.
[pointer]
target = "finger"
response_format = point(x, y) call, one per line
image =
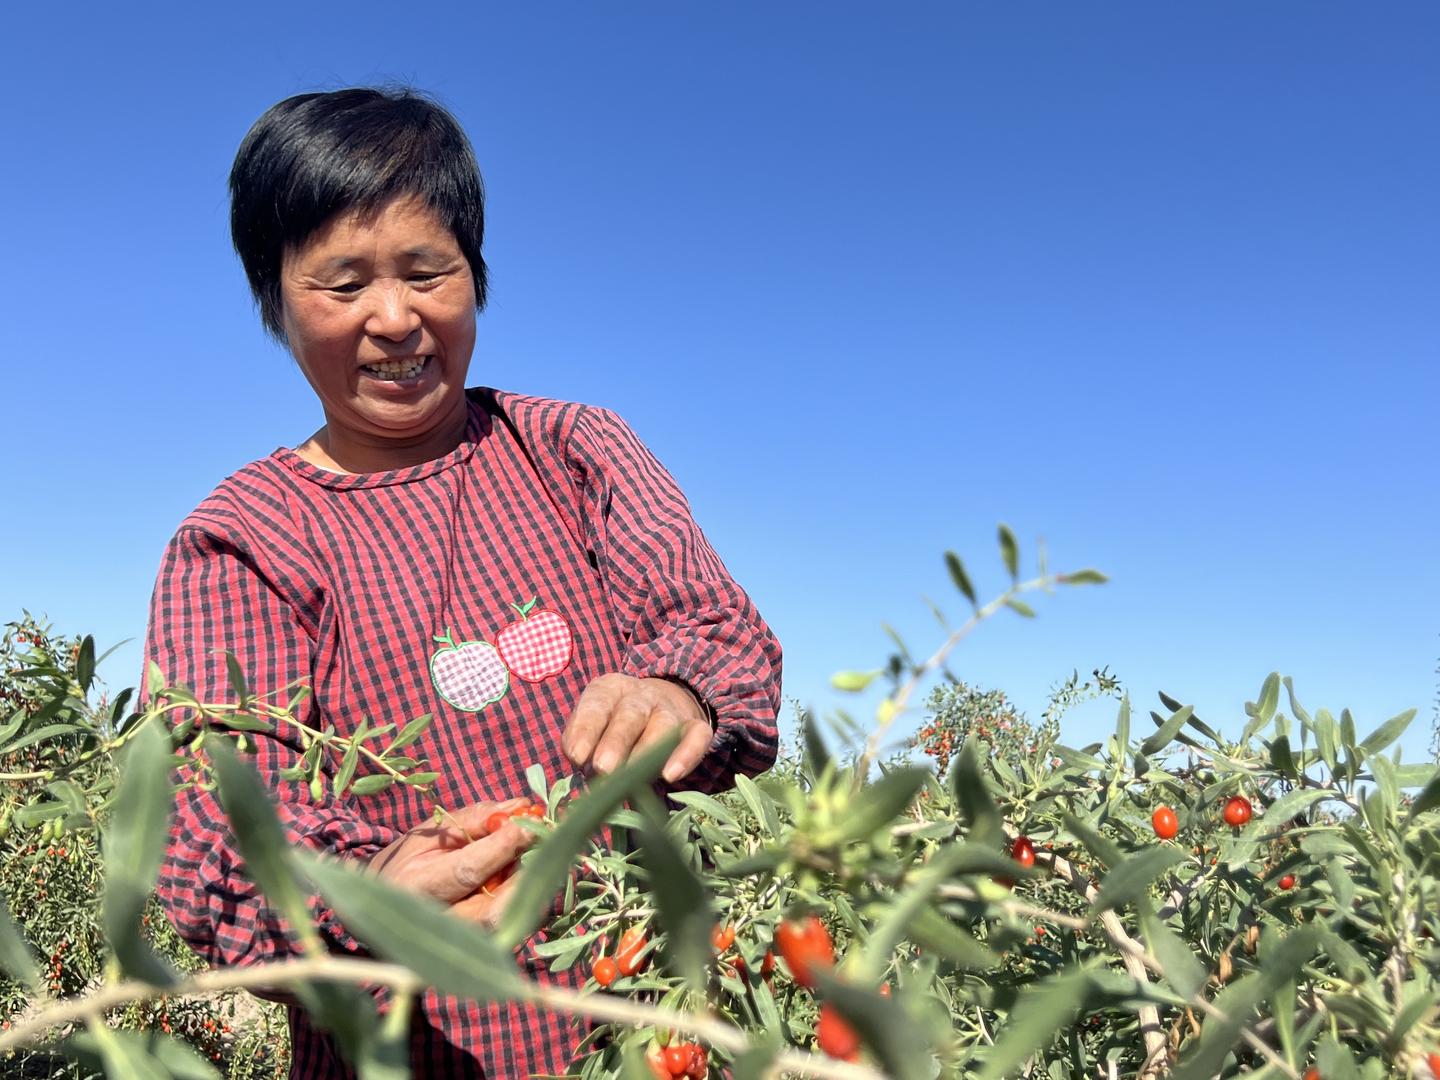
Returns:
point(459, 873)
point(628, 721)
point(592, 713)
point(664, 723)
point(457, 828)
point(694, 743)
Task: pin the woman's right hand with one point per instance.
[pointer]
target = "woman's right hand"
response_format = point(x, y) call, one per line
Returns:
point(453, 860)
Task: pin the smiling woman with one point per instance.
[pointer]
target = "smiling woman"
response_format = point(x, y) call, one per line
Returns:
point(521, 570)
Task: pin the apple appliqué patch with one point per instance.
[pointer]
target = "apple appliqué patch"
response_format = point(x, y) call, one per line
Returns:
point(473, 674)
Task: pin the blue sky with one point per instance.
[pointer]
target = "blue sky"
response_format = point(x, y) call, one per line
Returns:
point(1155, 282)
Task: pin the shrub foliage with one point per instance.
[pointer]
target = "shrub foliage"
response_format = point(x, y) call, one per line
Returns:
point(997, 902)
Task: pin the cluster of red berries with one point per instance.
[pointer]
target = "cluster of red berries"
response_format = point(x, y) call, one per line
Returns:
point(493, 824)
point(629, 958)
point(677, 1060)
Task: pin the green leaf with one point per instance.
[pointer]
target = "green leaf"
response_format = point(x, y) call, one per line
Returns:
point(1100, 846)
point(1042, 1010)
point(1326, 734)
point(1386, 733)
point(1009, 551)
point(939, 936)
point(705, 804)
point(759, 803)
point(816, 752)
point(1184, 973)
point(347, 768)
point(1281, 758)
point(1132, 877)
point(236, 675)
point(960, 577)
point(411, 731)
point(897, 918)
point(1084, 577)
point(124, 1054)
point(1167, 730)
point(681, 900)
point(972, 797)
point(1428, 799)
point(263, 845)
point(16, 957)
point(548, 866)
point(174, 1057)
point(370, 785)
point(49, 731)
point(134, 847)
point(1019, 607)
point(852, 682)
point(85, 663)
point(1237, 1002)
point(454, 955)
point(883, 1024)
point(876, 806)
point(1279, 813)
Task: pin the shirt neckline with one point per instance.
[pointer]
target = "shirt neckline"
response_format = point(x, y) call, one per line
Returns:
point(477, 426)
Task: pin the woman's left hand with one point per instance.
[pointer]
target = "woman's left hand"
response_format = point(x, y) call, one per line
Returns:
point(619, 715)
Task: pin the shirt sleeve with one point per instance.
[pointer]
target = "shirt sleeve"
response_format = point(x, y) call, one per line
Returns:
point(682, 616)
point(210, 596)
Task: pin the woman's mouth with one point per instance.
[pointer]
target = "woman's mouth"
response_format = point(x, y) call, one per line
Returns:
point(397, 370)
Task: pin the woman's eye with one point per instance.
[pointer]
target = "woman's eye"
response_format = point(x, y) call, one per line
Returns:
point(348, 287)
point(422, 278)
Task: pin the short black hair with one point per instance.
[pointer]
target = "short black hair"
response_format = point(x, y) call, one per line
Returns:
point(313, 156)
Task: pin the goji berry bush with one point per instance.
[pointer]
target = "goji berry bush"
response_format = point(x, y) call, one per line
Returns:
point(1188, 897)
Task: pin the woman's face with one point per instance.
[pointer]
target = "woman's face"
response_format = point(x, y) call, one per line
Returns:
point(379, 312)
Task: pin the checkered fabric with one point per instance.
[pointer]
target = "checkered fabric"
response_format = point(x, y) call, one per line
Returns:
point(342, 580)
point(469, 675)
point(537, 648)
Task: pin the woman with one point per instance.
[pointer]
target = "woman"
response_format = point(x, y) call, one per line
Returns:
point(522, 569)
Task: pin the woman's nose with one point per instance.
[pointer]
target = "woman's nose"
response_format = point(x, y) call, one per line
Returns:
point(391, 315)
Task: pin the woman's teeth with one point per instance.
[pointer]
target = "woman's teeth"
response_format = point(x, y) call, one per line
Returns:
point(397, 370)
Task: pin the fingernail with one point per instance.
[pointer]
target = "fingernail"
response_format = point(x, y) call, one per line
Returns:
point(604, 761)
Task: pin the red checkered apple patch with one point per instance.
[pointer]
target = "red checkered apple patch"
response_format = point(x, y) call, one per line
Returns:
point(539, 646)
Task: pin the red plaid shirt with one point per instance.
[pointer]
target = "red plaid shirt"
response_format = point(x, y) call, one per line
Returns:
point(487, 588)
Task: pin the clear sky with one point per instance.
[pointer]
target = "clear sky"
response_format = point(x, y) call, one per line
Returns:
point(1158, 282)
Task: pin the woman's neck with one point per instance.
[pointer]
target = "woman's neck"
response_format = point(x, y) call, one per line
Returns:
point(352, 453)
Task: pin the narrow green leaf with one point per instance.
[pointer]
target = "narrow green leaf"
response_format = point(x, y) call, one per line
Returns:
point(1042, 1010)
point(1387, 733)
point(852, 682)
point(1009, 551)
point(896, 918)
point(1428, 799)
point(454, 955)
point(548, 867)
point(1019, 607)
point(134, 848)
point(85, 663)
point(125, 1056)
point(1166, 733)
point(539, 785)
point(960, 577)
point(1184, 973)
point(1236, 1003)
point(370, 785)
point(972, 797)
point(1084, 577)
point(266, 851)
point(346, 771)
point(1281, 758)
point(883, 1024)
point(236, 675)
point(1279, 813)
point(1133, 876)
point(49, 731)
point(941, 937)
point(706, 804)
point(760, 804)
point(817, 754)
point(1326, 734)
point(16, 957)
point(1100, 846)
point(681, 899)
point(411, 732)
point(876, 806)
